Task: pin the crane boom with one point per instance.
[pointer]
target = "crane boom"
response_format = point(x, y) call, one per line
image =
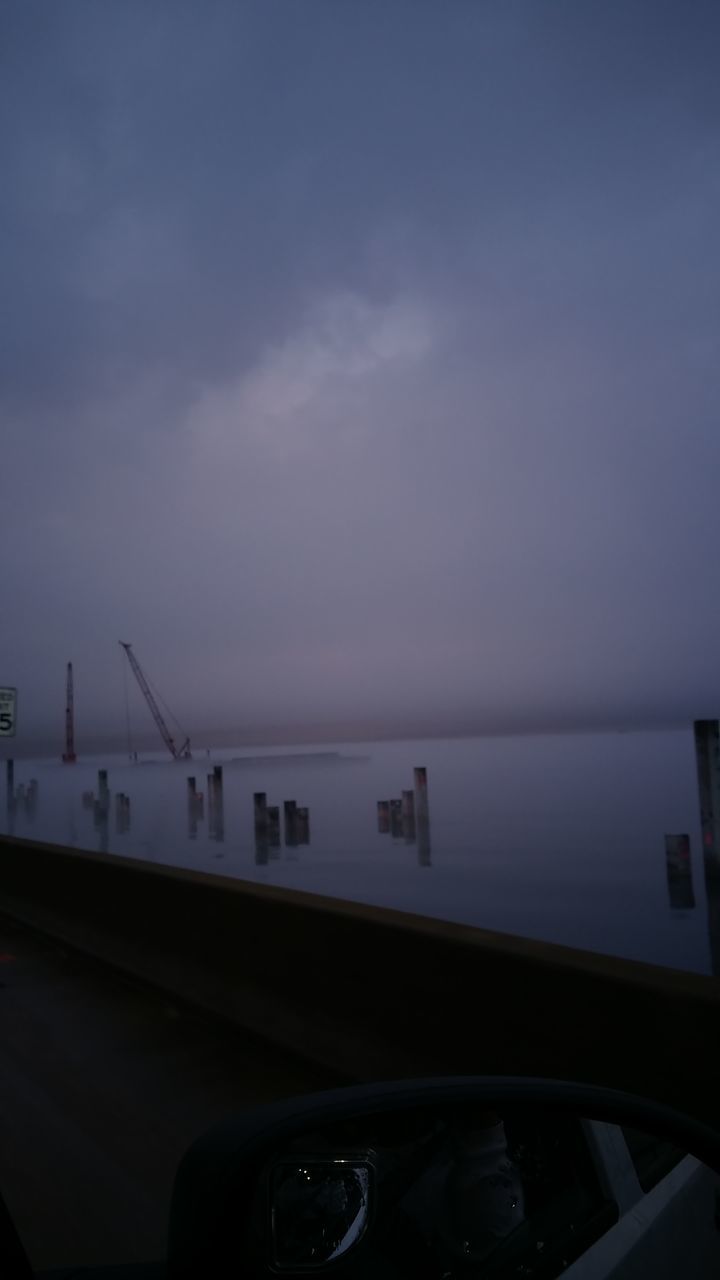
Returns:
point(183, 753)
point(69, 756)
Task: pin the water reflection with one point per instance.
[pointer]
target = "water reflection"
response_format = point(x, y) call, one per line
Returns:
point(122, 814)
point(22, 799)
point(423, 843)
point(216, 805)
point(408, 818)
point(273, 819)
point(707, 757)
point(101, 814)
point(194, 808)
point(266, 819)
point(678, 868)
point(712, 892)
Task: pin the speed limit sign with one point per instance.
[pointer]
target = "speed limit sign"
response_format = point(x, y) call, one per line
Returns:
point(8, 712)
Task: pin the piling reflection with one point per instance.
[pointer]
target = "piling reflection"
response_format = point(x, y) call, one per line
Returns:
point(20, 800)
point(266, 819)
point(260, 817)
point(707, 758)
point(273, 818)
point(423, 843)
point(408, 818)
point(712, 894)
point(122, 813)
point(216, 805)
point(192, 809)
point(101, 822)
point(678, 869)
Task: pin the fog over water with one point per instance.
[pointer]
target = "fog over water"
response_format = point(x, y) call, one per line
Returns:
point(362, 369)
point(558, 838)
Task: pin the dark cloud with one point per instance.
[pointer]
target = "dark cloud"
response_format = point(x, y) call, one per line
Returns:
point(361, 360)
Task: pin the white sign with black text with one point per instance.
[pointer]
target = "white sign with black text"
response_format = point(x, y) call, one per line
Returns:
point(8, 712)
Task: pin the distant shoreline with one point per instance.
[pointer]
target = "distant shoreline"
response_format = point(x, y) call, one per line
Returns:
point(223, 740)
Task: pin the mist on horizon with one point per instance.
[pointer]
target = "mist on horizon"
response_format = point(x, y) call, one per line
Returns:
point(361, 370)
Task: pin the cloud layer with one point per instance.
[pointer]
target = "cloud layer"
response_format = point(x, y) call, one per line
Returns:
point(361, 367)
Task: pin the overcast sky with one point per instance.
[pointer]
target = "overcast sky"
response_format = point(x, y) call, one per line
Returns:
point(359, 358)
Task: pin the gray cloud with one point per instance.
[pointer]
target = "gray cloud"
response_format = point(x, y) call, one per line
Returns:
point(361, 361)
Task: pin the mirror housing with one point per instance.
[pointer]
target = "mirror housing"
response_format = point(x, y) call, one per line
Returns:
point(222, 1205)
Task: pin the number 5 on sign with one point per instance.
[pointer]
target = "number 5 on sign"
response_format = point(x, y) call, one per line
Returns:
point(8, 708)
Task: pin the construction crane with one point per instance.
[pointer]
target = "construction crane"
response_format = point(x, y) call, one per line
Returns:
point(69, 756)
point(182, 753)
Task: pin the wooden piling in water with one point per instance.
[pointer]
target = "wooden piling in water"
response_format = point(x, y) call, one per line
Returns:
point(396, 822)
point(383, 816)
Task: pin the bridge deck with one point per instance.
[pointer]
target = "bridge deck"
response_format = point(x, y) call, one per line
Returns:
point(103, 1085)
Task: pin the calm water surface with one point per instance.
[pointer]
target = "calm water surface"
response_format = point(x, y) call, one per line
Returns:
point(557, 838)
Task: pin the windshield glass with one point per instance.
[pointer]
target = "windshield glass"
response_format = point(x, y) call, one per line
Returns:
point(358, 391)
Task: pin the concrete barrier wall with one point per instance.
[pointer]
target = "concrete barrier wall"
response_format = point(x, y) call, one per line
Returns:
point(372, 993)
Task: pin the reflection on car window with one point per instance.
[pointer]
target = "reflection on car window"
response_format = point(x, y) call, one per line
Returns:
point(652, 1157)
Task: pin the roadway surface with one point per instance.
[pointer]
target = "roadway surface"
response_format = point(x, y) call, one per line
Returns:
point(103, 1086)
